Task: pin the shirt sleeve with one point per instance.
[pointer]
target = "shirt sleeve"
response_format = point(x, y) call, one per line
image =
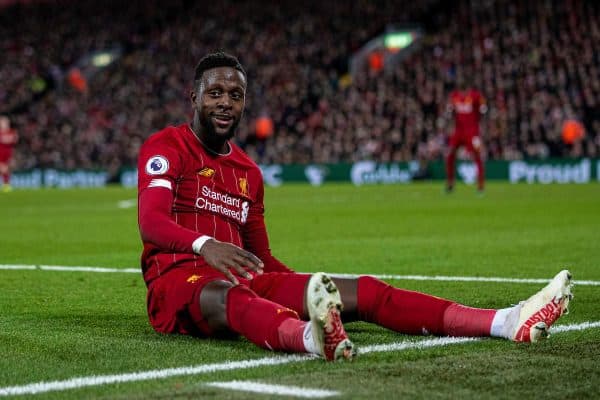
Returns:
point(157, 225)
point(255, 237)
point(158, 167)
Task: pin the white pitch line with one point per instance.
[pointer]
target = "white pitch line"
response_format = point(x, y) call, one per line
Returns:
point(264, 388)
point(64, 268)
point(380, 276)
point(98, 380)
point(464, 279)
point(574, 327)
point(18, 267)
point(420, 344)
point(90, 269)
point(127, 203)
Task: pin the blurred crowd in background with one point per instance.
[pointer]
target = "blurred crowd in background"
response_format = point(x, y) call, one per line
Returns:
point(537, 63)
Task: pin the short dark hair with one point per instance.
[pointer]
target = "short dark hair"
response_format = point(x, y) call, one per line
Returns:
point(216, 60)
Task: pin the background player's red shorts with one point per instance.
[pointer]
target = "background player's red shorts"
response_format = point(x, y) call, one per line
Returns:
point(5, 154)
point(173, 299)
point(470, 141)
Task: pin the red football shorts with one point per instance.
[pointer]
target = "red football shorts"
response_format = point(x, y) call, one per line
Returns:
point(173, 299)
point(5, 154)
point(471, 141)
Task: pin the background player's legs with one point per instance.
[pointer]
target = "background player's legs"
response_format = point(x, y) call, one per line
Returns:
point(369, 299)
point(451, 163)
point(5, 175)
point(474, 147)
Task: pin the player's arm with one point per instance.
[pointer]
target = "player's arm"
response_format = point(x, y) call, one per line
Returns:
point(256, 239)
point(155, 220)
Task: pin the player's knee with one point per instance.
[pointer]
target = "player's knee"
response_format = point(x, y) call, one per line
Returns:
point(212, 303)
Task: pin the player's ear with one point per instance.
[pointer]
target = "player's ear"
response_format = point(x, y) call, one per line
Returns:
point(193, 96)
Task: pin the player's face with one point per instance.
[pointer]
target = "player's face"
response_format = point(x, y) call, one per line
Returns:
point(220, 101)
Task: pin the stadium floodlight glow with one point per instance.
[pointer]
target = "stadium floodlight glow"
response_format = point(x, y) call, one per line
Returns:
point(398, 40)
point(102, 59)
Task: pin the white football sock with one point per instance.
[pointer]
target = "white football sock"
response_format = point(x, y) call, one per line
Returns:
point(504, 321)
point(309, 341)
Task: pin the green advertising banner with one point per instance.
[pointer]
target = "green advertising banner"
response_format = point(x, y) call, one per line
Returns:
point(54, 178)
point(359, 173)
point(370, 172)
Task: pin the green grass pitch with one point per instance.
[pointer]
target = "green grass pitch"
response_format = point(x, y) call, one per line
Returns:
point(55, 326)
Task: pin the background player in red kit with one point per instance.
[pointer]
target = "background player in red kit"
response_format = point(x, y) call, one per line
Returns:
point(210, 272)
point(8, 140)
point(467, 105)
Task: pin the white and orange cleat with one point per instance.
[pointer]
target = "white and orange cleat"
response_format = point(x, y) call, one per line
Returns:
point(324, 306)
point(541, 310)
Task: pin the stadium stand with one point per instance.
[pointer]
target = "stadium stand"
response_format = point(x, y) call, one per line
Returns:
point(537, 63)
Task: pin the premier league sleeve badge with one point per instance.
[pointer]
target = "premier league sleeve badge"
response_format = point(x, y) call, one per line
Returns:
point(157, 165)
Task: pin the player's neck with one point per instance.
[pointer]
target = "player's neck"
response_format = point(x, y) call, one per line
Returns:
point(216, 147)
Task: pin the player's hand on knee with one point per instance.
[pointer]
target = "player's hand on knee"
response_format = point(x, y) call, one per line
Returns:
point(223, 256)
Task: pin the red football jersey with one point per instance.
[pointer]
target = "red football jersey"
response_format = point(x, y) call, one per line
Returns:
point(219, 195)
point(8, 138)
point(467, 107)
